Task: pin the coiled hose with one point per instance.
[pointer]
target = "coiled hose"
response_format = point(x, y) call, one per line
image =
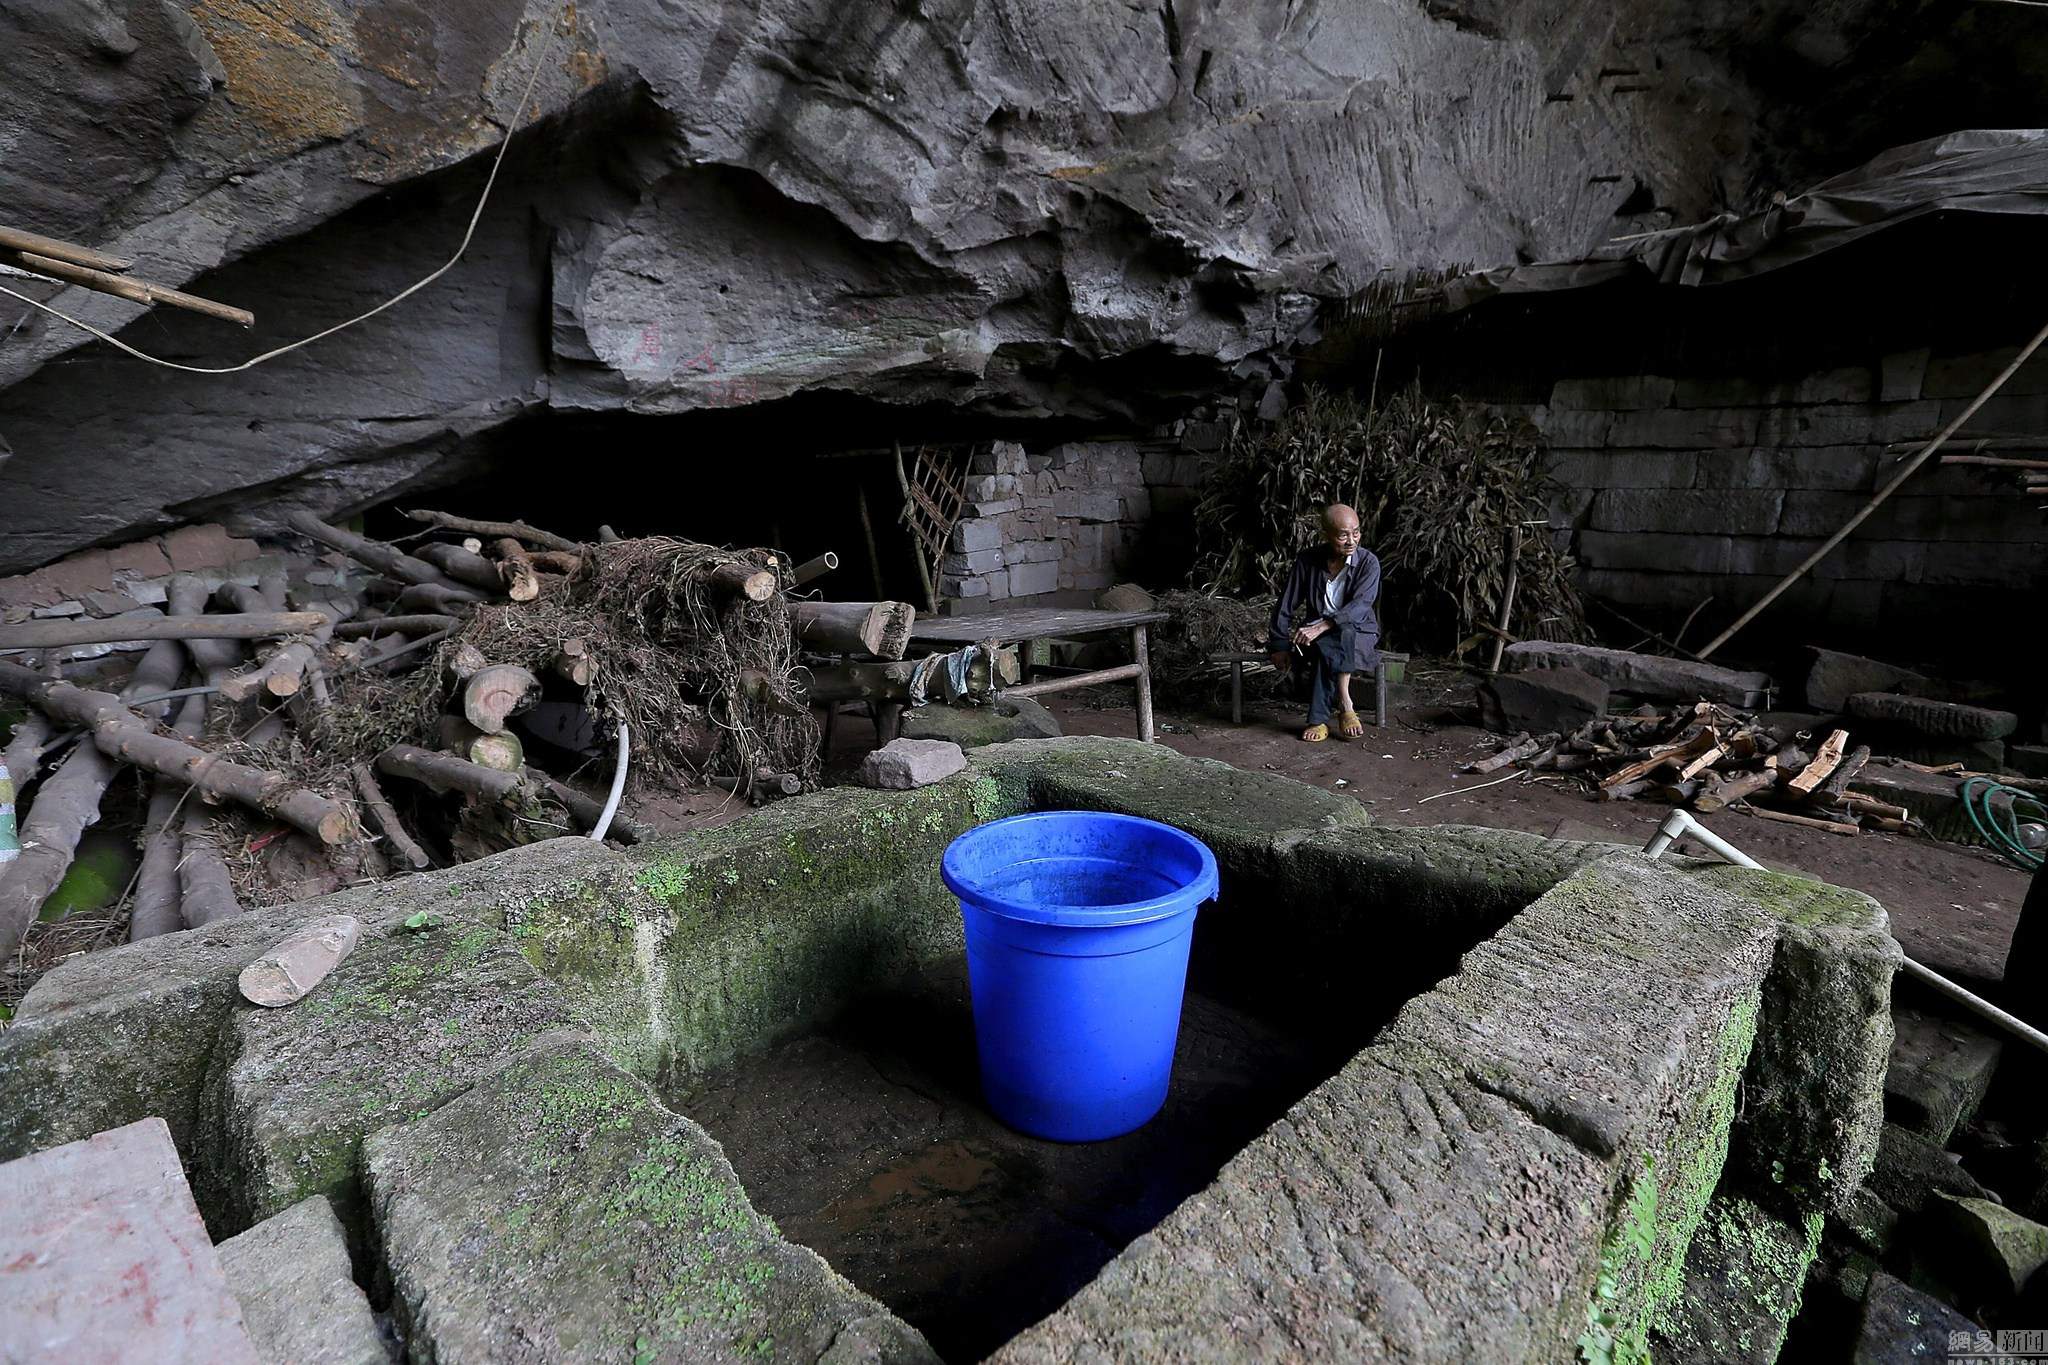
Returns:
point(1978, 794)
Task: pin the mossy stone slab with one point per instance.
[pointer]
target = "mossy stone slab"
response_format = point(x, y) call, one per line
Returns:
point(1744, 1277)
point(556, 1211)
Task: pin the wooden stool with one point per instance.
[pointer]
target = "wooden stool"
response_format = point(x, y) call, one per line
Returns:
point(1238, 661)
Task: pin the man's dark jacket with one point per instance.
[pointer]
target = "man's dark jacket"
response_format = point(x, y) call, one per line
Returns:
point(1356, 622)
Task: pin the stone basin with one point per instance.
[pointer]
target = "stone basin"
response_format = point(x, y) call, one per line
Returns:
point(1443, 1094)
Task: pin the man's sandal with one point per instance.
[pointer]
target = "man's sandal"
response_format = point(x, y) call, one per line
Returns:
point(1316, 734)
point(1349, 726)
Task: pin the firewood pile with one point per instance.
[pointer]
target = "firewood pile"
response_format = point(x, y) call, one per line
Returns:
point(1709, 758)
point(369, 710)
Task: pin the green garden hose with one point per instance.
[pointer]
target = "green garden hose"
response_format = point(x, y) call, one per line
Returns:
point(2004, 837)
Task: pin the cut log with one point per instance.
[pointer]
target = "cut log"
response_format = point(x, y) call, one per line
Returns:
point(240, 597)
point(495, 693)
point(1522, 748)
point(436, 599)
point(516, 569)
point(380, 808)
point(473, 544)
point(880, 629)
point(287, 971)
point(1844, 773)
point(574, 664)
point(1823, 763)
point(463, 566)
point(1870, 805)
point(446, 773)
point(185, 595)
point(738, 578)
point(85, 630)
point(208, 891)
point(494, 530)
point(386, 559)
point(817, 567)
point(159, 892)
point(890, 682)
point(1722, 792)
point(1699, 765)
point(501, 751)
point(395, 625)
point(282, 672)
point(465, 661)
point(557, 562)
point(23, 758)
point(120, 733)
point(585, 810)
point(1626, 791)
point(1787, 818)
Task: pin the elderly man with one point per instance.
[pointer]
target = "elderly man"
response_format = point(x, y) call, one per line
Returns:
point(1328, 615)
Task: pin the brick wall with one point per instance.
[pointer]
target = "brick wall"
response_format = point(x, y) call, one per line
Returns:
point(1677, 488)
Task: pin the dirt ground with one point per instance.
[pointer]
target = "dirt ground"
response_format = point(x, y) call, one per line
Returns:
point(1952, 907)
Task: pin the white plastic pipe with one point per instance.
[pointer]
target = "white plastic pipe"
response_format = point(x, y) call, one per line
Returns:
point(1681, 823)
point(611, 803)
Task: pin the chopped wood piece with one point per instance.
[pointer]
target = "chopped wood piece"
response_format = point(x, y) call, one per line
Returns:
point(388, 559)
point(575, 665)
point(464, 566)
point(380, 808)
point(557, 561)
point(1870, 805)
point(23, 758)
point(1787, 818)
point(1721, 791)
point(395, 625)
point(298, 962)
point(501, 751)
point(1521, 749)
point(208, 891)
point(86, 630)
point(880, 629)
point(495, 693)
point(516, 569)
point(1844, 773)
point(446, 773)
point(494, 530)
point(1824, 762)
point(744, 580)
point(120, 733)
point(436, 599)
point(1706, 760)
point(243, 598)
point(465, 661)
point(282, 672)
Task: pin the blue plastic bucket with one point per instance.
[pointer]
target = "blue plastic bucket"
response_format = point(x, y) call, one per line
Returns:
point(1078, 926)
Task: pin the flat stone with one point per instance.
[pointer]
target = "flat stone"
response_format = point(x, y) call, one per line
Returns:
point(1743, 1277)
point(970, 727)
point(1902, 1326)
point(103, 1257)
point(1910, 1170)
point(1644, 675)
point(1027, 580)
point(1984, 1249)
point(969, 536)
point(291, 1275)
point(2028, 760)
point(409, 1019)
point(905, 764)
point(1940, 1071)
point(1936, 719)
point(557, 1212)
point(1835, 677)
point(1541, 700)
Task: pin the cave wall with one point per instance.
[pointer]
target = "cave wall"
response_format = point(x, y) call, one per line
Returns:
point(1096, 214)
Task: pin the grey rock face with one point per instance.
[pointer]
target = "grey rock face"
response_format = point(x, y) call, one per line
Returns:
point(291, 1275)
point(1022, 209)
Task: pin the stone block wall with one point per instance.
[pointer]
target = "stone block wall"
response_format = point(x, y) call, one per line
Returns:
point(1673, 489)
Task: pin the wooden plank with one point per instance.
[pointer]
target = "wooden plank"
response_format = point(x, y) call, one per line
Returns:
point(1823, 763)
point(1121, 673)
point(1786, 818)
point(1031, 623)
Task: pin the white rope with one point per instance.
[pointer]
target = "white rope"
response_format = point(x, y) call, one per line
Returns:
point(532, 80)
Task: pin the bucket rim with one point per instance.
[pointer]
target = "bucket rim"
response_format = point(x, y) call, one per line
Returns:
point(1184, 899)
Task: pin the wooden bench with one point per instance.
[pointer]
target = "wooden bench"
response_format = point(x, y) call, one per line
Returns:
point(1051, 623)
point(1238, 661)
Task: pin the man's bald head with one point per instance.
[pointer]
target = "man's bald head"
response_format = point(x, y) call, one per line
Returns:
point(1340, 528)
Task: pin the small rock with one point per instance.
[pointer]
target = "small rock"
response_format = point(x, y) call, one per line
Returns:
point(1901, 1325)
point(904, 764)
point(1542, 701)
point(1939, 1073)
point(1910, 1168)
point(1125, 597)
point(1980, 1246)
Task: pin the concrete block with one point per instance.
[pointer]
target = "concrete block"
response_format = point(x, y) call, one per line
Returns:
point(950, 586)
point(106, 1258)
point(1027, 580)
point(1088, 505)
point(1815, 513)
point(1940, 1072)
point(1684, 428)
point(906, 764)
point(1612, 392)
point(1964, 376)
point(1824, 467)
point(969, 536)
point(1572, 429)
point(997, 508)
point(1902, 376)
point(1008, 458)
point(1137, 504)
point(980, 487)
point(998, 586)
point(1935, 719)
point(1037, 552)
point(1653, 552)
point(979, 562)
point(291, 1275)
point(1845, 424)
point(1688, 511)
point(1984, 564)
point(1623, 468)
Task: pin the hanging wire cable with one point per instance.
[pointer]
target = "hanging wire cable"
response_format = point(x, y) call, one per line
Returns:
point(519, 117)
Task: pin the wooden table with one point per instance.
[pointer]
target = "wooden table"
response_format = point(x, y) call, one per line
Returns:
point(1055, 623)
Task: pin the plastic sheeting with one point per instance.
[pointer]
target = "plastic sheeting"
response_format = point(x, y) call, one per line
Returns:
point(1985, 170)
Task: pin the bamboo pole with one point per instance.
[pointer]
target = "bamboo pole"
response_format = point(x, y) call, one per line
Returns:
point(14, 239)
point(124, 287)
point(1877, 499)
